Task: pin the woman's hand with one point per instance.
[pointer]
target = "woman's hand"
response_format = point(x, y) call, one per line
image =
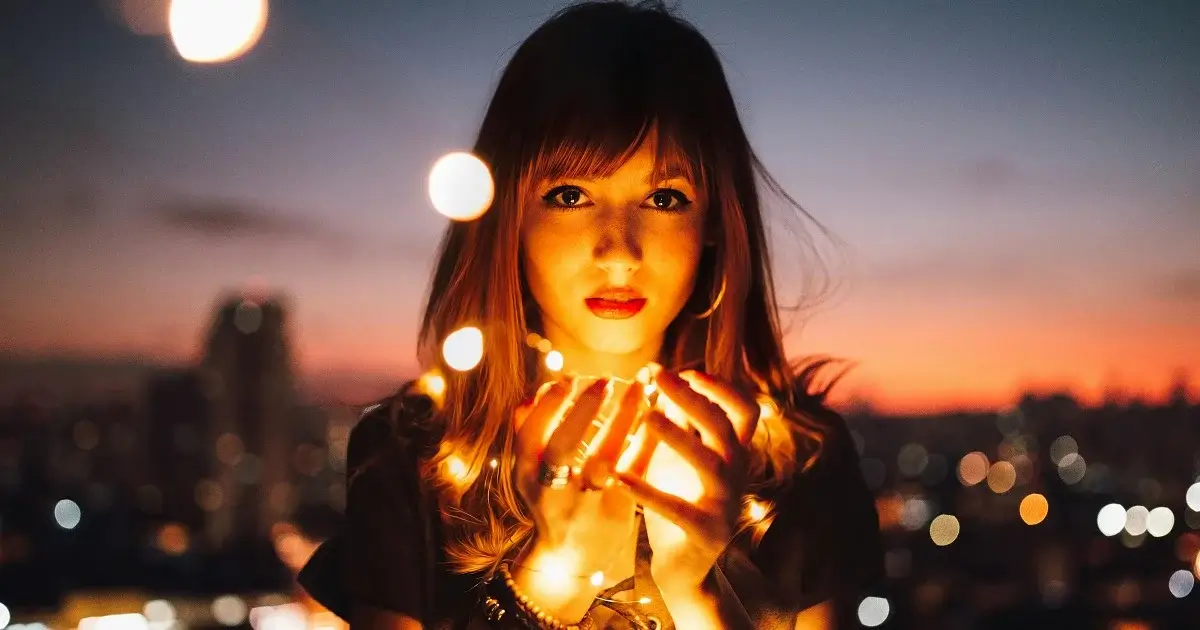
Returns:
point(688, 533)
point(578, 530)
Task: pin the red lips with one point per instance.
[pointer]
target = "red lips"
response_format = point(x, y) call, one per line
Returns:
point(616, 303)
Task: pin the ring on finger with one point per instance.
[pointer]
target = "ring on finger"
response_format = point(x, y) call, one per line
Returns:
point(553, 476)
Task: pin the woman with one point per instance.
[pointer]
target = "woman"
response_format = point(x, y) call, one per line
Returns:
point(626, 230)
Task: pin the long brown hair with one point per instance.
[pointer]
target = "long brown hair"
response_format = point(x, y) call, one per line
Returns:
point(577, 98)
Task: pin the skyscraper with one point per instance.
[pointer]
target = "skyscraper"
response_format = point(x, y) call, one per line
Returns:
point(246, 372)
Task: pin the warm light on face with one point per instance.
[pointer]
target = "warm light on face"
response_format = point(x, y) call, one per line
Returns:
point(570, 256)
point(213, 31)
point(463, 348)
point(461, 186)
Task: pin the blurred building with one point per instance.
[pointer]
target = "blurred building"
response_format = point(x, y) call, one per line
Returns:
point(251, 399)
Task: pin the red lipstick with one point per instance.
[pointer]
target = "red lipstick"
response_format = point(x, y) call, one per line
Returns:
point(616, 303)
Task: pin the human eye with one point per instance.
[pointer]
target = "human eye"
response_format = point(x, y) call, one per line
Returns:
point(667, 200)
point(566, 197)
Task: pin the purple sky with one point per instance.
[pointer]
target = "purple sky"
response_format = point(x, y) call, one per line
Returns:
point(1017, 187)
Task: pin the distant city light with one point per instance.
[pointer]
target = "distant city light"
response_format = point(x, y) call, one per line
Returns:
point(973, 468)
point(215, 31)
point(1160, 522)
point(912, 459)
point(1071, 468)
point(1181, 583)
point(915, 512)
point(463, 348)
point(229, 610)
point(1111, 519)
point(67, 514)
point(1193, 497)
point(1034, 508)
point(1061, 447)
point(873, 611)
point(247, 317)
point(160, 613)
point(461, 187)
point(1136, 519)
point(127, 621)
point(1001, 477)
point(944, 529)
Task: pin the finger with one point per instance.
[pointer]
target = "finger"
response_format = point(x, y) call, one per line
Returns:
point(667, 505)
point(541, 416)
point(644, 442)
point(708, 417)
point(708, 463)
point(564, 444)
point(743, 411)
point(600, 464)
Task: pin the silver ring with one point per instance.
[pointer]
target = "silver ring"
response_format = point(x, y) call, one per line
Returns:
point(553, 476)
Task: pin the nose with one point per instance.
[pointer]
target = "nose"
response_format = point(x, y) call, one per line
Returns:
point(618, 250)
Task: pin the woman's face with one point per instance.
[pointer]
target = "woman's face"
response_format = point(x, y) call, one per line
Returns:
point(612, 261)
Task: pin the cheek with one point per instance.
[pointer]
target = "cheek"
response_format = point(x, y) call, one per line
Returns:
point(677, 257)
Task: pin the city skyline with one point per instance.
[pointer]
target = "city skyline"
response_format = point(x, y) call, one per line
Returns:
point(1015, 187)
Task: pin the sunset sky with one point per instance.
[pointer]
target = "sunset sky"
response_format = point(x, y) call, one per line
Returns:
point(1016, 185)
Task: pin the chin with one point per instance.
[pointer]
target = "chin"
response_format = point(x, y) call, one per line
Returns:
point(616, 337)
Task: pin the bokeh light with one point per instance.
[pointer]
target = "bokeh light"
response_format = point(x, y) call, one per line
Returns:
point(1001, 477)
point(873, 611)
point(229, 610)
point(1061, 447)
point(1181, 583)
point(554, 361)
point(973, 468)
point(460, 186)
point(215, 31)
point(912, 459)
point(1071, 468)
point(1034, 508)
point(1160, 522)
point(67, 514)
point(172, 539)
point(1193, 497)
point(944, 529)
point(1111, 519)
point(463, 348)
point(1136, 519)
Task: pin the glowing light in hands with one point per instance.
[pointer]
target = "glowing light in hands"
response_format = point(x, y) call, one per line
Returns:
point(213, 31)
point(463, 348)
point(461, 187)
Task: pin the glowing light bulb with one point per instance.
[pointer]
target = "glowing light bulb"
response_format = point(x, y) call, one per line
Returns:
point(767, 408)
point(213, 31)
point(494, 463)
point(460, 186)
point(756, 510)
point(554, 361)
point(433, 385)
point(457, 468)
point(463, 348)
point(597, 578)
